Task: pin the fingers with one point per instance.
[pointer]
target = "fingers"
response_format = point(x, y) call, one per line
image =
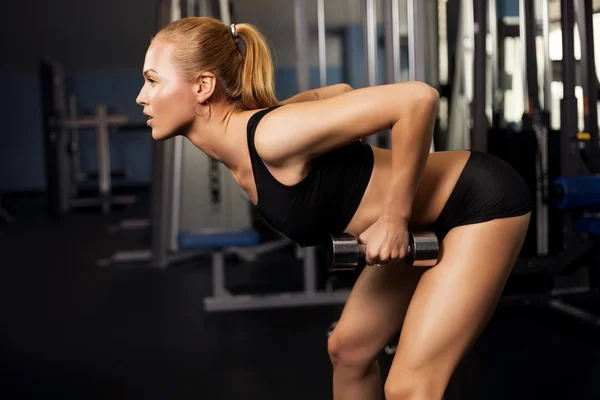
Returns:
point(375, 255)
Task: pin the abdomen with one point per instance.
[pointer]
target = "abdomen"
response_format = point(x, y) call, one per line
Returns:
point(439, 178)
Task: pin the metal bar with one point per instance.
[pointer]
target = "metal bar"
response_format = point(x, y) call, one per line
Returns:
point(224, 12)
point(162, 195)
point(302, 46)
point(575, 312)
point(431, 42)
point(322, 43)
point(494, 59)
point(370, 46)
point(283, 300)
point(103, 153)
point(545, 9)
point(533, 120)
point(480, 125)
point(568, 113)
point(175, 185)
point(175, 10)
point(523, 41)
point(417, 40)
point(218, 275)
point(310, 277)
point(443, 42)
point(531, 57)
point(589, 79)
point(468, 39)
point(203, 8)
point(583, 40)
point(370, 38)
point(391, 21)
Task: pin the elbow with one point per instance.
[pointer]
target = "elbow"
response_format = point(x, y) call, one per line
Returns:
point(427, 97)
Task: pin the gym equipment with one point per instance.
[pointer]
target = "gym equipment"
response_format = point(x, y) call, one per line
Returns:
point(345, 253)
point(558, 166)
point(576, 192)
point(61, 145)
point(575, 189)
point(589, 140)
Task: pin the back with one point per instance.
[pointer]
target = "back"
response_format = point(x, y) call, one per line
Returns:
point(324, 202)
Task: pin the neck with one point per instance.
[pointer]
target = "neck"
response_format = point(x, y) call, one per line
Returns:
point(216, 137)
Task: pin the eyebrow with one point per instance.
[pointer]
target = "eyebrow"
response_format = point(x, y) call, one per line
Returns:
point(149, 70)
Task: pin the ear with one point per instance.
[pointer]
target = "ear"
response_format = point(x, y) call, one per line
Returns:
point(205, 86)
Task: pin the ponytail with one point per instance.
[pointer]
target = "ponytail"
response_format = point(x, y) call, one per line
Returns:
point(258, 74)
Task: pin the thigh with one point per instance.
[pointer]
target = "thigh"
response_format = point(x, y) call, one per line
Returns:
point(455, 299)
point(375, 310)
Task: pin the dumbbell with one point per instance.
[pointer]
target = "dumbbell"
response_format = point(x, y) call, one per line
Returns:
point(344, 253)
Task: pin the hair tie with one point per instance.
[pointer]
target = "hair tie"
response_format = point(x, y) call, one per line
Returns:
point(234, 31)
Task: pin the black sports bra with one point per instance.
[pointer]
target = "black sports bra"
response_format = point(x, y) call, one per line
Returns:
point(322, 203)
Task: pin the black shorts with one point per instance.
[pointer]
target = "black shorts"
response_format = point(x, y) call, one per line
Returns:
point(488, 188)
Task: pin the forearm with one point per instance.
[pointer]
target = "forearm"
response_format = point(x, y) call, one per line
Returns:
point(319, 94)
point(411, 138)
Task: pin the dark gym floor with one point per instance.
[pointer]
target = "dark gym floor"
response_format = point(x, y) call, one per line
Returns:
point(77, 331)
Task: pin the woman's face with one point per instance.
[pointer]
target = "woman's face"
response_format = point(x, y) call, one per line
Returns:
point(167, 99)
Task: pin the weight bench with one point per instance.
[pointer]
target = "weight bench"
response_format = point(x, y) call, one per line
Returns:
point(247, 244)
point(589, 224)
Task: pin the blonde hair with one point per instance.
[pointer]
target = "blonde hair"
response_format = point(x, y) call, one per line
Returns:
point(206, 44)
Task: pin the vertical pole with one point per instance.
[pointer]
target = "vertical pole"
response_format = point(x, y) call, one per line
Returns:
point(103, 158)
point(523, 41)
point(302, 49)
point(494, 61)
point(370, 38)
point(370, 46)
point(584, 11)
point(417, 40)
point(322, 43)
point(569, 165)
point(547, 105)
point(225, 13)
point(391, 20)
point(569, 128)
point(480, 126)
point(468, 39)
point(534, 120)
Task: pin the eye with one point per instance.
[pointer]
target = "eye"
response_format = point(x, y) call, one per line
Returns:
point(151, 81)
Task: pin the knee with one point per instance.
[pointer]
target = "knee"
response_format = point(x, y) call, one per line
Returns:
point(349, 352)
point(414, 386)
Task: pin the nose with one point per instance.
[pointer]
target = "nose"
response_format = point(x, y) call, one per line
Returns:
point(141, 98)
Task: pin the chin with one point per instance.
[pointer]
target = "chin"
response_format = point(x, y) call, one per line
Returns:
point(159, 137)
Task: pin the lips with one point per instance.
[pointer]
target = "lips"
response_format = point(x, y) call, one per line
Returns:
point(149, 118)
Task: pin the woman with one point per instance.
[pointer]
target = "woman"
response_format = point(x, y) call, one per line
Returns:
point(302, 164)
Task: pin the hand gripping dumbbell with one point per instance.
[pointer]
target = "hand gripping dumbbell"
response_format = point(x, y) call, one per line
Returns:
point(345, 253)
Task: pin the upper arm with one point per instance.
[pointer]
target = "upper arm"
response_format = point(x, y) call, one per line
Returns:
point(302, 131)
point(319, 93)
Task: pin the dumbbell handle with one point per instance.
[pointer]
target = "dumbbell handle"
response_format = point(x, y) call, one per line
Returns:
point(345, 253)
point(362, 250)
